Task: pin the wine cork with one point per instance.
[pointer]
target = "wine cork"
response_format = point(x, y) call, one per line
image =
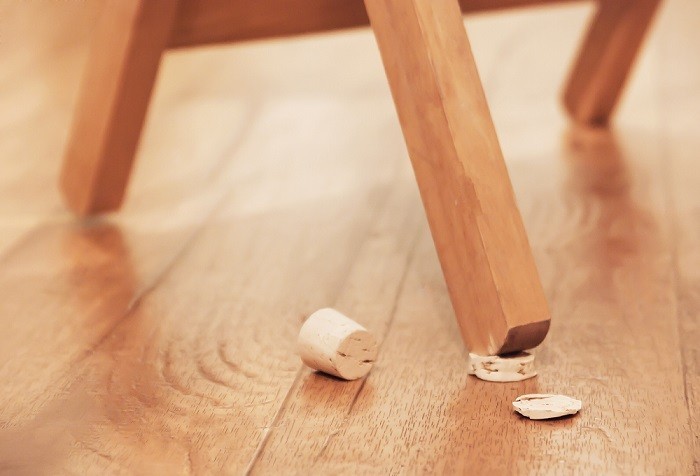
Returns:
point(508, 368)
point(337, 345)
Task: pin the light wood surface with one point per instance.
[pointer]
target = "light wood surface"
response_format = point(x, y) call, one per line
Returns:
point(466, 191)
point(160, 340)
point(115, 92)
point(606, 57)
point(219, 21)
point(680, 75)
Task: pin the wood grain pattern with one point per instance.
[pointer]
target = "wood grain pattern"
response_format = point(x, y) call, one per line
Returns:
point(114, 96)
point(680, 100)
point(94, 273)
point(464, 184)
point(418, 412)
point(219, 21)
point(299, 195)
point(606, 57)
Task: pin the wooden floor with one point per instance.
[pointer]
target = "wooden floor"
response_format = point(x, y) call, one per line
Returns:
point(272, 181)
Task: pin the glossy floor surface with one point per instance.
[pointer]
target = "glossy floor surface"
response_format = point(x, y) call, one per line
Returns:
point(271, 181)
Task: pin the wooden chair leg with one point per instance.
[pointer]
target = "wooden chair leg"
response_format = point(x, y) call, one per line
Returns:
point(477, 229)
point(121, 70)
point(606, 58)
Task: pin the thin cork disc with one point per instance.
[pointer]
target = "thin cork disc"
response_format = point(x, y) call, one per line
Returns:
point(539, 406)
point(509, 368)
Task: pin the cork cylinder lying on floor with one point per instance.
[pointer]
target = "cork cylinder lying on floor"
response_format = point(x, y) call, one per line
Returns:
point(337, 345)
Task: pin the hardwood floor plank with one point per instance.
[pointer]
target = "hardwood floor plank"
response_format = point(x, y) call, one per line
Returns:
point(202, 373)
point(166, 370)
point(71, 283)
point(679, 101)
point(82, 279)
point(318, 405)
point(596, 213)
point(161, 340)
point(608, 347)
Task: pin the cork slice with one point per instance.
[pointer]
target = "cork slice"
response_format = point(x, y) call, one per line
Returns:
point(539, 406)
point(503, 368)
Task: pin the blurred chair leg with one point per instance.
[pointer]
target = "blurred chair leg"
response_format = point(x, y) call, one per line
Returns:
point(121, 69)
point(470, 205)
point(606, 57)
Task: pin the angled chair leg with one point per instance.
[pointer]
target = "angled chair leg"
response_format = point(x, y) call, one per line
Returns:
point(477, 229)
point(120, 72)
point(606, 58)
